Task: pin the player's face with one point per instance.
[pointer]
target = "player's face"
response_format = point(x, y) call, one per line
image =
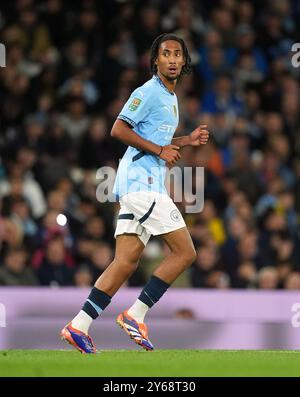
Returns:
point(170, 59)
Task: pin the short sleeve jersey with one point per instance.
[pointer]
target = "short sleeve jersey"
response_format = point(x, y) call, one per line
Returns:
point(152, 111)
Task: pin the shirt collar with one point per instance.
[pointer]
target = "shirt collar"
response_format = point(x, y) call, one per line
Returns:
point(156, 77)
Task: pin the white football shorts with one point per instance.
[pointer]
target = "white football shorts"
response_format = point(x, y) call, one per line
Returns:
point(148, 213)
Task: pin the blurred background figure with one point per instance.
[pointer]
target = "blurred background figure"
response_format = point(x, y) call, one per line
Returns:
point(15, 271)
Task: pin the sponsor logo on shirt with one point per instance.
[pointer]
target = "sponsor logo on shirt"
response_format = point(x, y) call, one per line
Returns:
point(166, 128)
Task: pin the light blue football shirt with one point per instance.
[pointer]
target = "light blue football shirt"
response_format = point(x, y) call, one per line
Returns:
point(152, 111)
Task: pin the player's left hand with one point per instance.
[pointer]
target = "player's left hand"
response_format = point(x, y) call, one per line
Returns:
point(199, 136)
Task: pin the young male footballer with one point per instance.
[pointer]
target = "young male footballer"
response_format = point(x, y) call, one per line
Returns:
point(146, 124)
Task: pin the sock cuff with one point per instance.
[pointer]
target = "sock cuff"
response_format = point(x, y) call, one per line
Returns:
point(99, 297)
point(153, 291)
point(96, 302)
point(159, 282)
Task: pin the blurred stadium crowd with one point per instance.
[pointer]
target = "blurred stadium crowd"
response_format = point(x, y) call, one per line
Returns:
point(71, 65)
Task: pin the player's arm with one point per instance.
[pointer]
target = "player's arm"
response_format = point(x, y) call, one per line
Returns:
point(122, 131)
point(196, 138)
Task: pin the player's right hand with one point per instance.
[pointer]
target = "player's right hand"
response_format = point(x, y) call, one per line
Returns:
point(170, 154)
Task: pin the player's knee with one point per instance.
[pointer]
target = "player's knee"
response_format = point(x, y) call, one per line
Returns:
point(189, 256)
point(126, 265)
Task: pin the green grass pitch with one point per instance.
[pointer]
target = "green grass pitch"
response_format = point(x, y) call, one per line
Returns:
point(177, 363)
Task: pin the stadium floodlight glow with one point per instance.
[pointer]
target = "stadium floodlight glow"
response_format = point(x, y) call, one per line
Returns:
point(61, 220)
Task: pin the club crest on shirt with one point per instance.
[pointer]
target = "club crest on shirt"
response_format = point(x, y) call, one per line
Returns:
point(175, 215)
point(135, 104)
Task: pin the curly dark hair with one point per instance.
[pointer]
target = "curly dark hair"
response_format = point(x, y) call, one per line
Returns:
point(186, 69)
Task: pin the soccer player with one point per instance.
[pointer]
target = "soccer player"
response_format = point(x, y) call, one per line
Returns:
point(146, 124)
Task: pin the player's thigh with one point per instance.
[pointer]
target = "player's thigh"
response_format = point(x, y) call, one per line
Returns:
point(129, 248)
point(180, 242)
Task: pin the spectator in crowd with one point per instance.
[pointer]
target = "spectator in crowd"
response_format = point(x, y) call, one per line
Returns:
point(20, 214)
point(245, 275)
point(267, 278)
point(100, 258)
point(54, 265)
point(83, 277)
point(204, 270)
point(95, 148)
point(292, 281)
point(14, 270)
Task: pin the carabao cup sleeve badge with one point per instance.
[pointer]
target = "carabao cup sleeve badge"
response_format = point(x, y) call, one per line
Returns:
point(135, 104)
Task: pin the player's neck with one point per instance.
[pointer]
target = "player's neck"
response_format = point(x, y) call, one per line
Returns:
point(169, 84)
